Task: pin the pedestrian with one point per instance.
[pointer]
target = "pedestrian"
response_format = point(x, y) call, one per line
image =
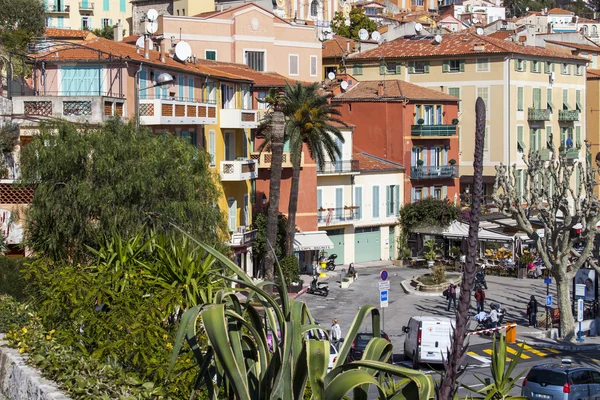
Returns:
point(532, 309)
point(494, 316)
point(451, 296)
point(336, 332)
point(479, 298)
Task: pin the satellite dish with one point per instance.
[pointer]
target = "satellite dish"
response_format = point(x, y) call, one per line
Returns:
point(347, 22)
point(438, 38)
point(152, 14)
point(151, 27)
point(418, 27)
point(376, 36)
point(344, 85)
point(480, 31)
point(363, 34)
point(183, 51)
point(139, 42)
point(328, 34)
point(331, 76)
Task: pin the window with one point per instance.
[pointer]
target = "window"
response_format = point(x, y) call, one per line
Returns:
point(549, 100)
point(261, 96)
point(594, 31)
point(418, 67)
point(227, 96)
point(123, 5)
point(437, 193)
point(578, 105)
point(438, 115)
point(417, 113)
point(566, 99)
point(106, 5)
point(232, 214)
point(211, 92)
point(483, 92)
point(375, 206)
point(537, 98)
point(246, 98)
point(418, 195)
point(453, 66)
point(358, 202)
point(520, 142)
point(211, 148)
point(417, 3)
point(392, 200)
point(519, 184)
point(190, 89)
point(60, 21)
point(565, 69)
point(255, 60)
point(181, 88)
point(578, 136)
point(389, 68)
point(456, 93)
point(293, 65)
point(230, 152)
point(483, 65)
point(86, 23)
point(535, 139)
point(357, 69)
point(183, 11)
point(520, 101)
point(314, 8)
point(578, 70)
point(520, 65)
point(536, 67)
point(313, 65)
point(105, 22)
point(210, 55)
point(548, 67)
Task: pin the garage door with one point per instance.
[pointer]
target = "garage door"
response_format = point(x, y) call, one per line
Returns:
point(367, 246)
point(337, 237)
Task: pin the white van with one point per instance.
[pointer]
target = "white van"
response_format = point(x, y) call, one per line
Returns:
point(427, 339)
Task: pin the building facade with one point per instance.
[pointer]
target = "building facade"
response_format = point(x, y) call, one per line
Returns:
point(88, 14)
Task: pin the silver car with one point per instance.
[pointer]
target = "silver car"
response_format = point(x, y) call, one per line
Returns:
point(564, 381)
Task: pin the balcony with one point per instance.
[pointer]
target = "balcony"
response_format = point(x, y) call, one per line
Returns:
point(545, 154)
point(238, 119)
point(86, 6)
point(238, 170)
point(337, 216)
point(569, 154)
point(61, 9)
point(339, 167)
point(433, 130)
point(434, 172)
point(568, 115)
point(264, 160)
point(538, 114)
point(176, 112)
point(243, 238)
point(90, 109)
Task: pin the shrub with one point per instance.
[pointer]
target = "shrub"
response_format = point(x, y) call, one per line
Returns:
point(11, 279)
point(438, 274)
point(290, 268)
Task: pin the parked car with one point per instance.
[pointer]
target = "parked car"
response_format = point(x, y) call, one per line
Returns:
point(360, 344)
point(553, 381)
point(427, 339)
point(333, 355)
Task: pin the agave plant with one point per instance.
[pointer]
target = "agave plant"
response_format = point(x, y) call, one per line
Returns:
point(258, 348)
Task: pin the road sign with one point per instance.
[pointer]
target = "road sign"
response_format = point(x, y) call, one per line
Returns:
point(384, 285)
point(580, 289)
point(579, 310)
point(383, 275)
point(549, 301)
point(383, 298)
point(547, 281)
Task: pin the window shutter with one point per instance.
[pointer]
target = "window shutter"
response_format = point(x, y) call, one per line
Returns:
point(358, 202)
point(539, 139)
point(426, 67)
point(190, 89)
point(211, 148)
point(232, 215)
point(523, 65)
point(412, 195)
point(548, 136)
point(520, 101)
point(382, 69)
point(110, 23)
point(446, 66)
point(375, 205)
point(549, 99)
point(444, 192)
point(516, 65)
point(431, 190)
point(520, 142)
point(537, 98)
point(565, 99)
point(532, 64)
point(546, 68)
point(425, 192)
point(181, 87)
point(531, 139)
point(245, 145)
point(424, 157)
point(388, 200)
point(462, 65)
point(577, 178)
point(578, 135)
point(396, 200)
point(578, 100)
point(319, 199)
point(339, 194)
point(562, 136)
point(553, 64)
point(411, 67)
point(398, 68)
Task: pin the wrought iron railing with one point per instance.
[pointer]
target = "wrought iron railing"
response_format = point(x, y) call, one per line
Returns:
point(538, 114)
point(568, 115)
point(338, 167)
point(433, 130)
point(434, 172)
point(329, 216)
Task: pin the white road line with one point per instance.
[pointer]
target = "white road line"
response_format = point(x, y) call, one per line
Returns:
point(485, 360)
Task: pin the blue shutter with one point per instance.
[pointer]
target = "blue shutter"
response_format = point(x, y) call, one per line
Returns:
point(61, 22)
point(123, 6)
point(396, 205)
point(143, 83)
point(110, 23)
point(339, 205)
point(181, 87)
point(375, 202)
point(49, 23)
point(190, 89)
point(319, 205)
point(106, 5)
point(286, 146)
point(358, 202)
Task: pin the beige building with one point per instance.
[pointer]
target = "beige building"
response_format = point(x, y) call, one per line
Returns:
point(87, 14)
point(531, 93)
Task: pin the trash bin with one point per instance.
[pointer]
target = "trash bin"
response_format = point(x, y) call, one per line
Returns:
point(511, 332)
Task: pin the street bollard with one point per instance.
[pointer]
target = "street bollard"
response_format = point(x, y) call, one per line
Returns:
point(323, 269)
point(511, 332)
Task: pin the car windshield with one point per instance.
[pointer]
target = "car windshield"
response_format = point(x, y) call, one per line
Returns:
point(363, 339)
point(546, 377)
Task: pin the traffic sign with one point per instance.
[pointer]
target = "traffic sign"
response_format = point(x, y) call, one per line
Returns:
point(580, 289)
point(547, 281)
point(549, 301)
point(384, 285)
point(383, 298)
point(383, 275)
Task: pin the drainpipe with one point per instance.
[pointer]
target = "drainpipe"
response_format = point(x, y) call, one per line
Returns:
point(508, 59)
point(137, 96)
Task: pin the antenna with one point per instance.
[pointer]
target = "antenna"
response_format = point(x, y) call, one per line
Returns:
point(480, 31)
point(418, 27)
point(376, 36)
point(363, 34)
point(344, 85)
point(152, 14)
point(438, 39)
point(331, 76)
point(183, 51)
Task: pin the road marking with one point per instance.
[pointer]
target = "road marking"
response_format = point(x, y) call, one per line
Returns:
point(513, 351)
point(485, 360)
point(489, 351)
point(534, 351)
point(551, 350)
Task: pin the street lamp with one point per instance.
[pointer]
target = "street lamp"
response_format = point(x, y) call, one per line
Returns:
point(164, 79)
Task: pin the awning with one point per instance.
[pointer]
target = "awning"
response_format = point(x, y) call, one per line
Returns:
point(459, 230)
point(317, 240)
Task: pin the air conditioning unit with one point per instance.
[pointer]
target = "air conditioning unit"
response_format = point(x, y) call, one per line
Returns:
point(241, 229)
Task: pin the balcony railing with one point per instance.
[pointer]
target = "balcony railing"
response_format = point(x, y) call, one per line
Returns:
point(545, 154)
point(264, 160)
point(433, 172)
point(538, 114)
point(239, 170)
point(238, 119)
point(568, 115)
point(336, 216)
point(176, 112)
point(569, 154)
point(61, 9)
point(338, 167)
point(433, 130)
point(243, 238)
point(86, 6)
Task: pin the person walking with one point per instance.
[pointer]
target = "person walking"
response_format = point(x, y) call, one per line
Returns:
point(532, 309)
point(336, 332)
point(479, 298)
point(451, 296)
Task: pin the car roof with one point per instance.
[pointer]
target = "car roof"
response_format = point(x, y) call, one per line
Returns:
point(561, 367)
point(426, 318)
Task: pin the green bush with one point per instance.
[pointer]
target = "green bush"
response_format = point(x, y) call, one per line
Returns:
point(11, 279)
point(290, 268)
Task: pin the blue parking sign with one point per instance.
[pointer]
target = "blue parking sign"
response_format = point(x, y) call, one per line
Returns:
point(383, 296)
point(549, 301)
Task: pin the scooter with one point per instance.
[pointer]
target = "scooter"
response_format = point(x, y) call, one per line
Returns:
point(480, 279)
point(331, 262)
point(318, 288)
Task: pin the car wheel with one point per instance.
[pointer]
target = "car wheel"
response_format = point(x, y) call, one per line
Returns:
point(415, 361)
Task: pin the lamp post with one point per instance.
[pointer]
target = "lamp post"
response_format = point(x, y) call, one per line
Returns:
point(164, 79)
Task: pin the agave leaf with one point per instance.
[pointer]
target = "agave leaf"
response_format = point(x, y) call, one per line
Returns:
point(188, 318)
point(317, 361)
point(300, 374)
point(356, 324)
point(346, 382)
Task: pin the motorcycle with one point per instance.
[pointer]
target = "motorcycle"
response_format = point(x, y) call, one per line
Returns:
point(480, 280)
point(331, 262)
point(318, 288)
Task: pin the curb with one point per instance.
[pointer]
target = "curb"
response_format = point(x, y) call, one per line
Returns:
point(406, 284)
point(574, 347)
point(296, 295)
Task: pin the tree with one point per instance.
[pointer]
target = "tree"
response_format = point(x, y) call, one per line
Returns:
point(549, 194)
point(107, 32)
point(358, 21)
point(91, 182)
point(21, 21)
point(428, 211)
point(259, 246)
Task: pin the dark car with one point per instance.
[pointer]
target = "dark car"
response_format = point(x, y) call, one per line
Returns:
point(552, 381)
point(360, 344)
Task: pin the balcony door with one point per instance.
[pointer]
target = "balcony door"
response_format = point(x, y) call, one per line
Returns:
point(339, 203)
point(232, 214)
point(80, 81)
point(227, 96)
point(429, 115)
point(338, 159)
point(435, 159)
point(229, 146)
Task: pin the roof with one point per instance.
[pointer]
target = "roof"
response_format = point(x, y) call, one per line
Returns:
point(261, 79)
point(131, 39)
point(455, 44)
point(593, 74)
point(228, 13)
point(560, 11)
point(368, 162)
point(393, 90)
point(58, 33)
point(337, 46)
point(502, 35)
point(579, 46)
point(582, 20)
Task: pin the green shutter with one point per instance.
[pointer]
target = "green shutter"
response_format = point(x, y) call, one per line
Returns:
point(357, 69)
point(520, 142)
point(516, 65)
point(462, 65)
point(523, 65)
point(358, 202)
point(578, 136)
point(531, 139)
point(537, 98)
point(444, 192)
point(563, 135)
point(382, 69)
point(411, 67)
point(398, 68)
point(546, 67)
point(446, 66)
point(539, 139)
point(548, 136)
point(396, 200)
point(520, 101)
point(532, 64)
point(426, 67)
point(375, 205)
point(566, 99)
point(577, 178)
point(578, 100)
point(549, 99)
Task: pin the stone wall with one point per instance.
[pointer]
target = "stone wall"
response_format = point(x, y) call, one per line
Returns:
point(140, 9)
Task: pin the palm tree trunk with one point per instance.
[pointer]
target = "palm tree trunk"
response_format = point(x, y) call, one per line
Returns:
point(277, 140)
point(293, 207)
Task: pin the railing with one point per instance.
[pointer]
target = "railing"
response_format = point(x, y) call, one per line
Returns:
point(538, 114)
point(433, 130)
point(239, 170)
point(333, 216)
point(545, 154)
point(239, 239)
point(176, 112)
point(52, 8)
point(568, 115)
point(238, 119)
point(264, 160)
point(86, 5)
point(570, 154)
point(338, 167)
point(433, 172)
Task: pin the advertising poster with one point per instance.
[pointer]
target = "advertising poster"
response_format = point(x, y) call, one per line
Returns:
point(587, 277)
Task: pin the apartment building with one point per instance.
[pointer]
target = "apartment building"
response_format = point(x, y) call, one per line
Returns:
point(592, 111)
point(87, 14)
point(532, 95)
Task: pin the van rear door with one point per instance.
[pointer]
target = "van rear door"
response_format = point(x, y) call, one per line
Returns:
point(435, 341)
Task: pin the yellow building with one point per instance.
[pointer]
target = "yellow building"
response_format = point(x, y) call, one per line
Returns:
point(192, 7)
point(87, 14)
point(531, 93)
point(593, 112)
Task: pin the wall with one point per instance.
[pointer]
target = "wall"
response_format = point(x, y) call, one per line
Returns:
point(593, 118)
point(141, 8)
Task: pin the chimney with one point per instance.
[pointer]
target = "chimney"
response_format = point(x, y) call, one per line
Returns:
point(117, 32)
point(380, 88)
point(348, 46)
point(163, 50)
point(147, 41)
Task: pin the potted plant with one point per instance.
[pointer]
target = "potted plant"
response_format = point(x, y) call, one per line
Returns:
point(420, 163)
point(420, 121)
point(454, 121)
point(430, 254)
point(452, 161)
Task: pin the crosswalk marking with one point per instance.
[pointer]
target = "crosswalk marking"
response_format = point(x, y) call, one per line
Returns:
point(551, 350)
point(513, 351)
point(534, 351)
point(489, 351)
point(483, 360)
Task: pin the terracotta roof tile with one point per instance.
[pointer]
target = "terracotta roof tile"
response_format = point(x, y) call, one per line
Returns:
point(67, 33)
point(502, 35)
point(131, 39)
point(13, 194)
point(368, 162)
point(336, 47)
point(582, 20)
point(393, 90)
point(454, 44)
point(261, 79)
point(560, 11)
point(593, 74)
point(579, 46)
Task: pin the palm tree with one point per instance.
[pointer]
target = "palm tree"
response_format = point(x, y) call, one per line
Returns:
point(310, 119)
